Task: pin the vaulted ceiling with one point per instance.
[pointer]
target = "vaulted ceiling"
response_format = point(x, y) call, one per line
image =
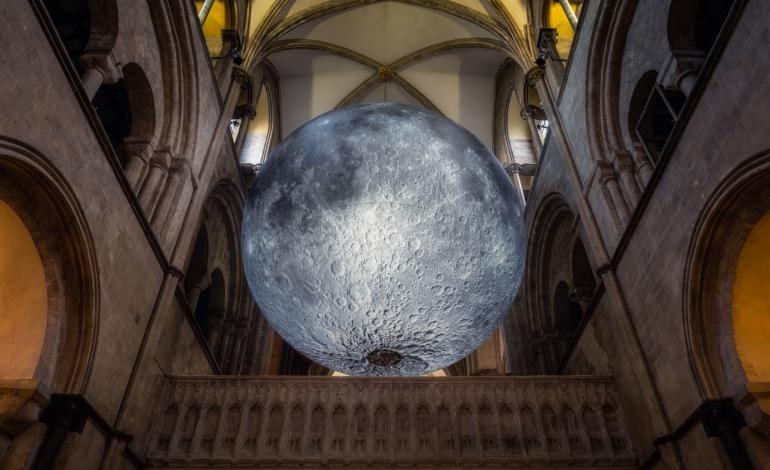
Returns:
point(440, 54)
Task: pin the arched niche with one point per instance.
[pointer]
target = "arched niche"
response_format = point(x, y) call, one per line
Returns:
point(126, 109)
point(54, 339)
point(551, 308)
point(694, 25)
point(258, 131)
point(84, 25)
point(725, 320)
point(263, 131)
point(583, 280)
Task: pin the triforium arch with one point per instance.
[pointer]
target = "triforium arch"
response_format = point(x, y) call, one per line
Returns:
point(49, 210)
point(50, 296)
point(558, 287)
point(724, 314)
point(214, 284)
point(85, 26)
point(513, 131)
point(260, 118)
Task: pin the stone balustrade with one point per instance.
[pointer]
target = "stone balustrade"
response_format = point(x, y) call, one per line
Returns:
point(387, 422)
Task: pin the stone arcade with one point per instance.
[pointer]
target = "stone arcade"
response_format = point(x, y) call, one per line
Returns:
point(633, 133)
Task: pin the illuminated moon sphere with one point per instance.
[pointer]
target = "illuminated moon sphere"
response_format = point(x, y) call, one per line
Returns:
point(383, 239)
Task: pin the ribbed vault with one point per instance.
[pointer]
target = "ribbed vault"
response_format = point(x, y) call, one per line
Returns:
point(439, 54)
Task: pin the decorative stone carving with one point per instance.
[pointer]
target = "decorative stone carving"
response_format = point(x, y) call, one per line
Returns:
point(352, 421)
point(385, 73)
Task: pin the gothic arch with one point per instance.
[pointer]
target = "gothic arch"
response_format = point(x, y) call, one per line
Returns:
point(693, 26)
point(732, 211)
point(141, 102)
point(49, 209)
point(85, 25)
point(559, 284)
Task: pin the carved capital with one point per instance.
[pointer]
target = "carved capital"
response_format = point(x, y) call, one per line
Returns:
point(244, 111)
point(137, 148)
point(512, 169)
point(105, 63)
point(534, 75)
point(606, 172)
point(533, 111)
point(241, 76)
point(624, 160)
point(161, 159)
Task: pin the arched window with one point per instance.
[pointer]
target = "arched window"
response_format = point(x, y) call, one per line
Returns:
point(567, 312)
point(583, 282)
point(258, 132)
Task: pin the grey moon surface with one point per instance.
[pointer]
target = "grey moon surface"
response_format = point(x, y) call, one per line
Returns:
point(383, 239)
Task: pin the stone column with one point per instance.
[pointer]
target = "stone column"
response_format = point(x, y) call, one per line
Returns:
point(138, 155)
point(152, 183)
point(642, 162)
point(168, 197)
point(205, 9)
point(246, 113)
point(231, 41)
point(101, 68)
point(626, 168)
point(513, 172)
point(64, 414)
point(609, 180)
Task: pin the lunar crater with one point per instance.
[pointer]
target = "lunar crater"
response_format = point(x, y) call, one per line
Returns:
point(383, 239)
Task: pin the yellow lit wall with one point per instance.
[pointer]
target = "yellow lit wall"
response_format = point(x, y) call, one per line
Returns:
point(23, 299)
point(558, 19)
point(751, 303)
point(212, 28)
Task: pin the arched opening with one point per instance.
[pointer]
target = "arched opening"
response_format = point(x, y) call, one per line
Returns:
point(567, 314)
point(72, 20)
point(114, 110)
point(141, 102)
point(211, 306)
point(694, 26)
point(533, 110)
point(127, 109)
point(652, 114)
point(196, 277)
point(709, 18)
point(23, 298)
point(726, 309)
point(259, 131)
point(84, 26)
point(639, 97)
point(583, 281)
point(751, 303)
